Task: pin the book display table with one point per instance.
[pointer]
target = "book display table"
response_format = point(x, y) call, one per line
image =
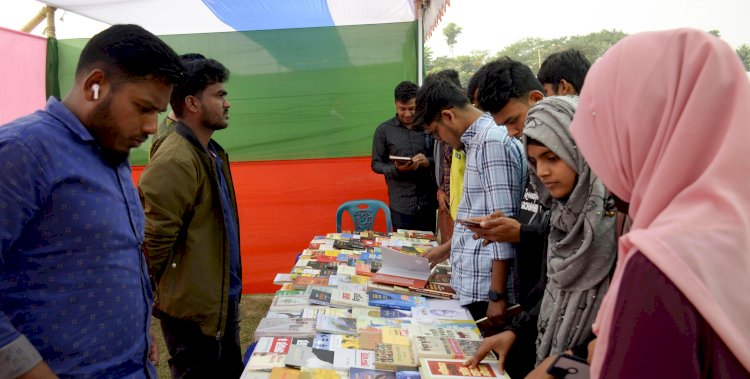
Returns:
point(335, 317)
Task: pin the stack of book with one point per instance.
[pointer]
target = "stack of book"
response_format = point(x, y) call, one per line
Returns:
point(339, 315)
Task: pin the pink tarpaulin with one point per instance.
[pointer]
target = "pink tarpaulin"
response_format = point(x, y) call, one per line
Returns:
point(22, 74)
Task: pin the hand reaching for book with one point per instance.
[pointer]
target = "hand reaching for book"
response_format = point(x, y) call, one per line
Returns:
point(438, 254)
point(499, 343)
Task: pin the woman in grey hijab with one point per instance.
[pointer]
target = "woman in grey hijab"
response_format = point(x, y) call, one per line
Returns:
point(581, 248)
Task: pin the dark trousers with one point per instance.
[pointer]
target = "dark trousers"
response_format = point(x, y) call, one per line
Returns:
point(424, 220)
point(196, 355)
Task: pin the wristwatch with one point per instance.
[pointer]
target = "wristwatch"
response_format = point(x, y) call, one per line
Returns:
point(497, 296)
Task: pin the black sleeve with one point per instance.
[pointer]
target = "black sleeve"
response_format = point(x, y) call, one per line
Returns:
point(534, 242)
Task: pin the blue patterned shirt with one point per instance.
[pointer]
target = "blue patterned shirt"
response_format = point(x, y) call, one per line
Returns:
point(494, 179)
point(73, 279)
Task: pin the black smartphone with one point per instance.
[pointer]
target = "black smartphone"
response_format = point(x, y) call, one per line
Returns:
point(473, 224)
point(569, 367)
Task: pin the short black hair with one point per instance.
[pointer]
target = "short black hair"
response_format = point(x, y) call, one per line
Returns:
point(505, 79)
point(191, 57)
point(437, 94)
point(131, 52)
point(451, 75)
point(405, 91)
point(477, 78)
point(570, 65)
point(201, 73)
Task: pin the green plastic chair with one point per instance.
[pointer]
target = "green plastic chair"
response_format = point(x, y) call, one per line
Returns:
point(363, 214)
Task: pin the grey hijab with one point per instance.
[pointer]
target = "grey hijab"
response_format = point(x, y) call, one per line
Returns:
point(581, 246)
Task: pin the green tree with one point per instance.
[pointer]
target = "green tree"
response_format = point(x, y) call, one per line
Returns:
point(451, 32)
point(715, 32)
point(530, 51)
point(743, 52)
point(533, 51)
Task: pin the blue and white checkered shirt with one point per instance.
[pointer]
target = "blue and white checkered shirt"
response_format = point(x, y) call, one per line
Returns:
point(494, 180)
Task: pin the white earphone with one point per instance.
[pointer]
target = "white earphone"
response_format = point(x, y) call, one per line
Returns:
point(95, 88)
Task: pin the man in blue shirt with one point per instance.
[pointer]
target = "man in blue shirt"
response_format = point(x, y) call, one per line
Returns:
point(75, 296)
point(493, 181)
point(192, 231)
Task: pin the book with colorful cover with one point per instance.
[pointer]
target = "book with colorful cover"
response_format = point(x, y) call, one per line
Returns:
point(407, 373)
point(352, 287)
point(455, 369)
point(374, 286)
point(369, 339)
point(428, 315)
point(346, 270)
point(284, 314)
point(338, 312)
point(395, 336)
point(265, 360)
point(289, 292)
point(318, 373)
point(436, 290)
point(312, 312)
point(284, 373)
point(467, 324)
point(301, 282)
point(287, 303)
point(291, 327)
point(269, 352)
point(361, 373)
point(310, 357)
point(336, 325)
point(377, 323)
point(446, 348)
point(320, 297)
point(391, 300)
point(388, 357)
point(443, 332)
point(381, 312)
point(363, 269)
point(335, 341)
point(340, 298)
point(282, 278)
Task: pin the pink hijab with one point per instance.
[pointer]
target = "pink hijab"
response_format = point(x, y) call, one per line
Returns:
point(664, 121)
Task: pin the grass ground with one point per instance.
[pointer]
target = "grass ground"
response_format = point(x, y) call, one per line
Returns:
point(253, 307)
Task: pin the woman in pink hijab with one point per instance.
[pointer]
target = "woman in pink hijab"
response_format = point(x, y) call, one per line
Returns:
point(664, 121)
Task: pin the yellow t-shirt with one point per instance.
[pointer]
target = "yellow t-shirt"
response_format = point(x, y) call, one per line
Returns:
point(458, 166)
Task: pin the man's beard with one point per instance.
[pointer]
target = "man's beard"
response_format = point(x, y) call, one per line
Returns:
point(216, 123)
point(103, 128)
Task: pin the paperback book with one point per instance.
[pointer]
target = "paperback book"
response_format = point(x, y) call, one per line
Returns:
point(455, 369)
point(391, 300)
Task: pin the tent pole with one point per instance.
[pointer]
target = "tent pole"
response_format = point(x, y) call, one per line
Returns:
point(35, 21)
point(50, 31)
point(420, 43)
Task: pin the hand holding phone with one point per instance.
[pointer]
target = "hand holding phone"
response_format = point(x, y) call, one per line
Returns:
point(399, 159)
point(569, 367)
point(473, 224)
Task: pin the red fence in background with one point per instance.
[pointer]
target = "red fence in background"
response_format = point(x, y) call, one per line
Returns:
point(283, 204)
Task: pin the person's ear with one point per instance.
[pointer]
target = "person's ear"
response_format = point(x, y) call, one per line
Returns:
point(448, 115)
point(566, 88)
point(535, 96)
point(192, 103)
point(94, 85)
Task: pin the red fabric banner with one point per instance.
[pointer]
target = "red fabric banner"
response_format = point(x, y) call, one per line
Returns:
point(283, 204)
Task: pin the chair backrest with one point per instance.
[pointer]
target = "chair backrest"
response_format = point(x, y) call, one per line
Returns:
point(363, 214)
